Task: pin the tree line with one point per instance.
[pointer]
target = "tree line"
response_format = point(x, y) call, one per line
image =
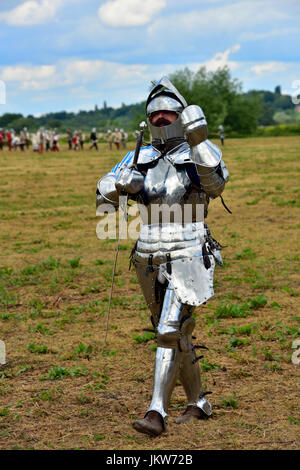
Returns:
point(219, 95)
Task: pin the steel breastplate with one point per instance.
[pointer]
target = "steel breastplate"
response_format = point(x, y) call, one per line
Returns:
point(169, 186)
point(164, 184)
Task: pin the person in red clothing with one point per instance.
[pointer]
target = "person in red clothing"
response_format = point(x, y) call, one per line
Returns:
point(75, 141)
point(9, 140)
point(1, 138)
point(55, 146)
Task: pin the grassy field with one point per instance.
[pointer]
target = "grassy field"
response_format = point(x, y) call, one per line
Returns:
point(63, 388)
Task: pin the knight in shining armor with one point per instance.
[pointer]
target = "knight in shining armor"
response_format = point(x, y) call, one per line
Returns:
point(174, 258)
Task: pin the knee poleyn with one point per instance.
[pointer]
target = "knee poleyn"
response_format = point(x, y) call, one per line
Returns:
point(176, 335)
point(167, 336)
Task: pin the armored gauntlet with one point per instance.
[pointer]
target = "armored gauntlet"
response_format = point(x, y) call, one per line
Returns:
point(194, 124)
point(111, 186)
point(129, 181)
point(207, 156)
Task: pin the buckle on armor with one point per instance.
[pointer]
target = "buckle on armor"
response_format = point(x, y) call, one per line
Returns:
point(131, 260)
point(205, 251)
point(150, 265)
point(197, 359)
point(169, 265)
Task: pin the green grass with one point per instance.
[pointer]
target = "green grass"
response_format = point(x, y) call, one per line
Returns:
point(247, 253)
point(236, 310)
point(59, 372)
point(8, 299)
point(74, 263)
point(207, 366)
point(42, 329)
point(239, 330)
point(144, 338)
point(230, 402)
point(33, 348)
point(83, 350)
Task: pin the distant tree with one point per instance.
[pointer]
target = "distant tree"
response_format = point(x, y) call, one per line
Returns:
point(137, 118)
point(54, 123)
point(266, 117)
point(220, 97)
point(7, 118)
point(20, 123)
point(283, 102)
point(243, 114)
point(61, 115)
point(277, 90)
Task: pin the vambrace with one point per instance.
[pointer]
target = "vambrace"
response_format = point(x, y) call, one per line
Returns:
point(211, 180)
point(211, 168)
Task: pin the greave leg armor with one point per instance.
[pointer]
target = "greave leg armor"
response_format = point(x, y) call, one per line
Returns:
point(191, 381)
point(189, 371)
point(167, 355)
point(166, 373)
point(175, 357)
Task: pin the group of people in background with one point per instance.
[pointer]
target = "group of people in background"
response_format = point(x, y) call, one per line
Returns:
point(46, 140)
point(14, 140)
point(40, 141)
point(76, 140)
point(118, 137)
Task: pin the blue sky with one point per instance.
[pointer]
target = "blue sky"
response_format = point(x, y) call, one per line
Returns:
point(73, 54)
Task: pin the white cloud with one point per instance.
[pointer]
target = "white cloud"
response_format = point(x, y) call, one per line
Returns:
point(221, 59)
point(271, 67)
point(83, 70)
point(21, 73)
point(90, 70)
point(77, 82)
point(32, 12)
point(71, 74)
point(30, 77)
point(239, 16)
point(68, 73)
point(130, 12)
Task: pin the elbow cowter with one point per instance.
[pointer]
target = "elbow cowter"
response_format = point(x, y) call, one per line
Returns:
point(211, 168)
point(211, 181)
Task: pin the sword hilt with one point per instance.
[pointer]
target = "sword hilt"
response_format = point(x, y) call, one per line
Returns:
point(143, 126)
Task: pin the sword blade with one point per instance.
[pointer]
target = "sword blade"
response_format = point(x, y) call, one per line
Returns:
point(143, 126)
point(115, 265)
